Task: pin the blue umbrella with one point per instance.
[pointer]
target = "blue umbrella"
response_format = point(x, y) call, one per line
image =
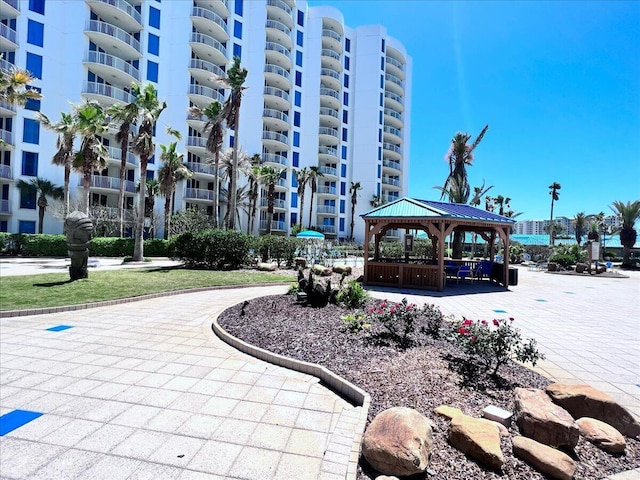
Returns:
point(311, 234)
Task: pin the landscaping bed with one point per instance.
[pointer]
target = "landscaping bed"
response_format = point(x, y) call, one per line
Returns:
point(431, 373)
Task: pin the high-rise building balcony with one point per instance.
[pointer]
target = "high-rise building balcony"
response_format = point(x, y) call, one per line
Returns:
point(326, 190)
point(276, 226)
point(328, 136)
point(198, 195)
point(206, 73)
point(391, 165)
point(108, 66)
point(278, 54)
point(276, 76)
point(197, 145)
point(326, 210)
point(106, 94)
point(393, 101)
point(327, 153)
point(10, 8)
point(328, 229)
point(329, 98)
point(394, 84)
point(7, 110)
point(113, 40)
point(392, 135)
point(278, 203)
point(395, 67)
point(329, 117)
point(117, 12)
point(280, 11)
point(206, 20)
point(196, 121)
point(6, 136)
point(5, 207)
point(207, 47)
point(275, 158)
point(332, 40)
point(278, 32)
point(275, 119)
point(203, 96)
point(392, 182)
point(275, 140)
point(221, 7)
point(115, 155)
point(328, 171)
point(276, 98)
point(5, 172)
point(391, 151)
point(202, 168)
point(8, 38)
point(111, 184)
point(331, 59)
point(393, 118)
point(330, 77)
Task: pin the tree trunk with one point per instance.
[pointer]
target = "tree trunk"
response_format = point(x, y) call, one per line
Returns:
point(123, 171)
point(41, 206)
point(86, 184)
point(67, 179)
point(234, 174)
point(313, 192)
point(458, 238)
point(551, 229)
point(353, 212)
point(216, 187)
point(301, 207)
point(167, 215)
point(138, 248)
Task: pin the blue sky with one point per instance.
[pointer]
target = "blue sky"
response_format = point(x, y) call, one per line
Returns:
point(558, 83)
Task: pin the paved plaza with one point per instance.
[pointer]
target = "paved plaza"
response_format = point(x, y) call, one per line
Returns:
point(146, 390)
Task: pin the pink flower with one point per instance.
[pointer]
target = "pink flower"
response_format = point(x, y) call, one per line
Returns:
point(511, 318)
point(484, 322)
point(496, 322)
point(393, 310)
point(466, 323)
point(463, 331)
point(474, 338)
point(372, 309)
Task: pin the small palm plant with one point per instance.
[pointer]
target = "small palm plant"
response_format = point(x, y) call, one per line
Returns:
point(42, 188)
point(629, 213)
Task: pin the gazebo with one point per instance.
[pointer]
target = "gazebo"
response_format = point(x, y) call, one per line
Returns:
point(437, 220)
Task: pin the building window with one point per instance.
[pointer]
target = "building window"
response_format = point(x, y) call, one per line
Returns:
point(297, 99)
point(344, 152)
point(296, 139)
point(35, 33)
point(379, 171)
point(379, 153)
point(238, 7)
point(344, 134)
point(34, 64)
point(301, 18)
point(153, 46)
point(381, 81)
point(237, 29)
point(32, 103)
point(345, 116)
point(343, 188)
point(152, 71)
point(232, 141)
point(346, 81)
point(154, 17)
point(30, 164)
point(342, 206)
point(343, 169)
point(31, 131)
point(294, 218)
point(28, 199)
point(296, 159)
point(298, 79)
point(299, 39)
point(383, 44)
point(381, 99)
point(346, 63)
point(342, 224)
point(37, 6)
point(347, 44)
point(150, 174)
point(4, 226)
point(382, 64)
point(380, 117)
point(298, 58)
point(26, 226)
point(380, 135)
point(237, 50)
point(296, 119)
point(294, 200)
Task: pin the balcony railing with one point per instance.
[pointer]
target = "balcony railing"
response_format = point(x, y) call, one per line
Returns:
point(198, 193)
point(266, 135)
point(278, 26)
point(5, 65)
point(391, 164)
point(275, 226)
point(327, 190)
point(116, 32)
point(276, 92)
point(393, 113)
point(328, 131)
point(393, 96)
point(4, 206)
point(331, 229)
point(330, 72)
point(326, 209)
point(14, 4)
point(271, 113)
point(323, 150)
point(277, 203)
point(276, 47)
point(392, 147)
point(280, 4)
point(5, 172)
point(274, 158)
point(8, 33)
point(108, 91)
point(194, 141)
point(393, 131)
point(329, 92)
point(331, 34)
point(391, 181)
point(394, 79)
point(202, 168)
point(109, 183)
point(116, 154)
point(330, 53)
point(125, 7)
point(206, 92)
point(395, 63)
point(328, 171)
point(269, 68)
point(6, 136)
point(329, 111)
point(210, 41)
point(208, 66)
point(209, 15)
point(115, 62)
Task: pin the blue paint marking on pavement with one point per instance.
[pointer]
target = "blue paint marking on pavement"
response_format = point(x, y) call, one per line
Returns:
point(59, 328)
point(540, 300)
point(15, 419)
point(500, 311)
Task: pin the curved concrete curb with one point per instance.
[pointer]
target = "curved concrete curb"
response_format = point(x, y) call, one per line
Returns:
point(118, 301)
point(350, 424)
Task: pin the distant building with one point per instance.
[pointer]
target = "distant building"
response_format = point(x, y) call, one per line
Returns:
point(536, 227)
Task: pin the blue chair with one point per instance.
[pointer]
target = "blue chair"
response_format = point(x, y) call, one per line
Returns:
point(483, 269)
point(464, 272)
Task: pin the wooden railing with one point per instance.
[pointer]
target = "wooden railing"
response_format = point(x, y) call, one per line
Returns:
point(403, 275)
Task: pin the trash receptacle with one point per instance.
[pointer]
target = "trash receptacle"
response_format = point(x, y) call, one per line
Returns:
point(513, 276)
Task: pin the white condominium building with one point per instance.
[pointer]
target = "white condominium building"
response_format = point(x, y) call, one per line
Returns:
point(319, 94)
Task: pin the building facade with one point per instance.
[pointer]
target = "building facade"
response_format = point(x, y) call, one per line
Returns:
point(318, 94)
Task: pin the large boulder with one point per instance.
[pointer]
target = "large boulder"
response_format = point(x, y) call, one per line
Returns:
point(477, 438)
point(447, 412)
point(542, 420)
point(342, 268)
point(543, 458)
point(398, 442)
point(586, 401)
point(601, 435)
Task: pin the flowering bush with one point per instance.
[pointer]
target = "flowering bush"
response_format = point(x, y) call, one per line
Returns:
point(493, 344)
point(397, 318)
point(355, 322)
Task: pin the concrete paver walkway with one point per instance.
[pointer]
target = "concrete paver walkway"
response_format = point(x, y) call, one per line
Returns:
point(146, 390)
point(588, 327)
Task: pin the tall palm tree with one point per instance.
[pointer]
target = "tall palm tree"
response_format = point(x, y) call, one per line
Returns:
point(215, 135)
point(152, 190)
point(91, 123)
point(149, 109)
point(579, 225)
point(13, 87)
point(629, 213)
point(170, 173)
point(269, 176)
point(302, 177)
point(553, 191)
point(456, 194)
point(460, 155)
point(124, 116)
point(353, 190)
point(376, 201)
point(42, 188)
point(227, 169)
point(242, 202)
point(478, 192)
point(66, 128)
point(253, 174)
point(314, 174)
point(236, 77)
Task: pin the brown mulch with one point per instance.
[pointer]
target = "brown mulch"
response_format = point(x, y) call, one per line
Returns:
point(429, 374)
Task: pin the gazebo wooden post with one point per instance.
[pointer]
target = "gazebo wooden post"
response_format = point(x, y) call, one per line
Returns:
point(367, 236)
point(441, 235)
point(505, 239)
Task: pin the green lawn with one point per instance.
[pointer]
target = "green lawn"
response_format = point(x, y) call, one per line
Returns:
point(54, 289)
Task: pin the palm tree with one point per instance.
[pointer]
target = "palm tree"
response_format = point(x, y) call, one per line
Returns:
point(13, 87)
point(231, 114)
point(170, 173)
point(460, 155)
point(353, 190)
point(149, 109)
point(579, 224)
point(629, 213)
point(43, 188)
point(553, 191)
point(215, 135)
point(91, 123)
point(302, 177)
point(478, 192)
point(269, 176)
point(227, 169)
point(242, 202)
point(66, 128)
point(125, 117)
point(253, 174)
point(152, 189)
point(314, 174)
point(456, 194)
point(376, 201)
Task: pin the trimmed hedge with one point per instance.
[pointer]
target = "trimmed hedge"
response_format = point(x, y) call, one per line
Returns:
point(213, 249)
point(278, 248)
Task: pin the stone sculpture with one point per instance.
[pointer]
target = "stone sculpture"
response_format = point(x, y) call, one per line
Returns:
point(78, 228)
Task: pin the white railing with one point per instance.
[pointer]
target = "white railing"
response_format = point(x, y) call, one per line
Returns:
point(266, 135)
point(391, 164)
point(194, 141)
point(280, 4)
point(210, 41)
point(330, 53)
point(115, 62)
point(209, 15)
point(202, 168)
point(8, 33)
point(4, 206)
point(6, 136)
point(392, 130)
point(330, 72)
point(276, 92)
point(328, 150)
point(395, 63)
point(276, 47)
point(275, 225)
point(271, 113)
point(207, 66)
point(393, 96)
point(328, 229)
point(328, 171)
point(113, 31)
point(327, 190)
point(328, 131)
point(392, 147)
point(330, 33)
point(393, 113)
point(394, 79)
point(198, 193)
point(125, 7)
point(5, 171)
point(116, 154)
point(330, 92)
point(270, 68)
point(109, 183)
point(278, 26)
point(329, 111)
point(206, 92)
point(391, 181)
point(274, 158)
point(95, 88)
point(277, 203)
point(326, 209)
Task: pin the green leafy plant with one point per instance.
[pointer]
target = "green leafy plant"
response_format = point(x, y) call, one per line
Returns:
point(433, 320)
point(398, 319)
point(353, 295)
point(494, 344)
point(293, 289)
point(355, 322)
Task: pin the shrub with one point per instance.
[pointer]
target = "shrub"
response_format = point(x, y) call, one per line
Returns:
point(44, 245)
point(397, 318)
point(433, 320)
point(493, 345)
point(277, 248)
point(353, 295)
point(156, 247)
point(190, 220)
point(355, 322)
point(565, 261)
point(111, 247)
point(214, 249)
point(422, 248)
point(293, 289)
